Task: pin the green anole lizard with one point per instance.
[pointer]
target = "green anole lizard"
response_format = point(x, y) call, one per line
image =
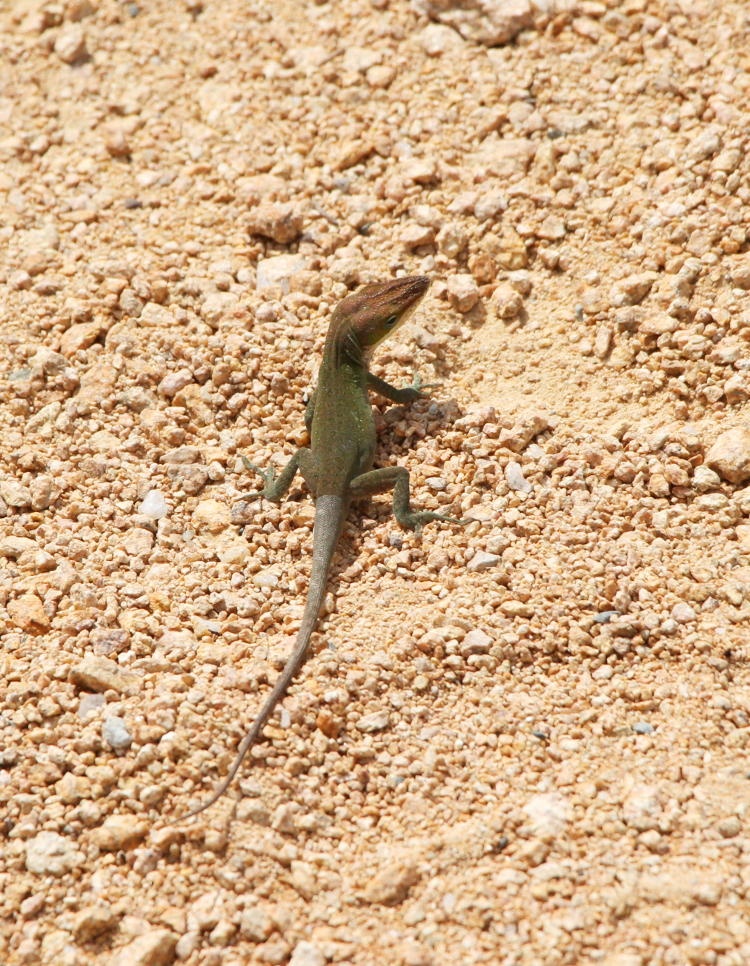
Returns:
point(337, 467)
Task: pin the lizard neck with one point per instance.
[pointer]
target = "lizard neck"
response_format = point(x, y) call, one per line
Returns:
point(343, 348)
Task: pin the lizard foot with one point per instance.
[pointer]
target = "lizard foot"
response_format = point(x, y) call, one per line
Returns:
point(415, 521)
point(417, 385)
point(413, 392)
point(268, 476)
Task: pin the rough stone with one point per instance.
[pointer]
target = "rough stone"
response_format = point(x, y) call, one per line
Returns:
point(119, 832)
point(70, 45)
point(28, 613)
point(279, 270)
point(92, 921)
point(463, 292)
point(488, 22)
point(51, 854)
point(730, 455)
point(506, 302)
point(212, 515)
point(101, 674)
point(377, 721)
point(307, 954)
point(392, 883)
point(633, 289)
point(154, 948)
point(282, 222)
point(483, 561)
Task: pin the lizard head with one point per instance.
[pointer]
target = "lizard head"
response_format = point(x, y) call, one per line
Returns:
point(375, 311)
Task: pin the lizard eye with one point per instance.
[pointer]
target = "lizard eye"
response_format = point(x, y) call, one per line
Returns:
point(391, 320)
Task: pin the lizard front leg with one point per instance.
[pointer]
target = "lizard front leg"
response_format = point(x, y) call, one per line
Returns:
point(396, 478)
point(408, 394)
point(275, 487)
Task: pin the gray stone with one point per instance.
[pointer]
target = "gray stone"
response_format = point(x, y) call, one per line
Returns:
point(116, 734)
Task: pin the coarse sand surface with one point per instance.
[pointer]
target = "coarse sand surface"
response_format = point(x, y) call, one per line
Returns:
point(523, 742)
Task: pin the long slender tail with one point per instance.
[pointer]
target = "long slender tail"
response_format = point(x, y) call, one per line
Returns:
point(329, 519)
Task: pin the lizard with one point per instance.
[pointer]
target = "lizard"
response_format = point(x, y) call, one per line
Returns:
point(338, 466)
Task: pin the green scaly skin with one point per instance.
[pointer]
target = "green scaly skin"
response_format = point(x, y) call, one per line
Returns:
point(337, 467)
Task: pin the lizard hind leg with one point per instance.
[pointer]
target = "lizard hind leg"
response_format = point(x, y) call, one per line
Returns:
point(275, 487)
point(396, 478)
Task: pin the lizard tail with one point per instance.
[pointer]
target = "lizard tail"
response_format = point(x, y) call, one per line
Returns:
point(330, 511)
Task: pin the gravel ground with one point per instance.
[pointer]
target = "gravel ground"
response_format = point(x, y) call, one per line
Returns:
point(522, 742)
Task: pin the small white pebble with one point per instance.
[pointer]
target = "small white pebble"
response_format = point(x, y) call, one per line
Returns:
point(515, 478)
point(154, 505)
point(307, 954)
point(482, 561)
point(683, 613)
point(377, 721)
